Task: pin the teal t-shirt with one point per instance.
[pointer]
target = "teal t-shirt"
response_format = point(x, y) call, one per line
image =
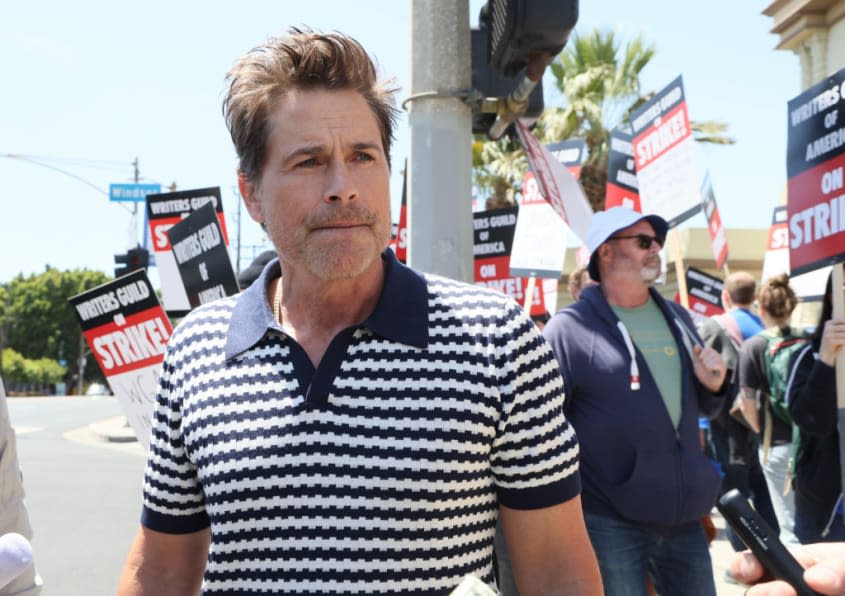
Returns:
point(651, 334)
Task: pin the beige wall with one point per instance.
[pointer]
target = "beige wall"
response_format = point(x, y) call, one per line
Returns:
point(815, 31)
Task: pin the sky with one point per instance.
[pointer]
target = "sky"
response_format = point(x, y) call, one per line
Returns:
point(90, 86)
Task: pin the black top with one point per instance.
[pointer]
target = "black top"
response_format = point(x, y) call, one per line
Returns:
point(812, 404)
point(752, 373)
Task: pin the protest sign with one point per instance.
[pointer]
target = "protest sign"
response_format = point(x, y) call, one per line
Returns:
point(704, 293)
point(622, 186)
point(557, 184)
point(539, 243)
point(201, 257)
point(127, 331)
point(399, 240)
point(571, 153)
point(808, 286)
point(493, 232)
point(718, 237)
point(815, 167)
point(664, 156)
point(164, 211)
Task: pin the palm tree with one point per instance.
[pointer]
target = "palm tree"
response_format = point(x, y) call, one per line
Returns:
point(599, 80)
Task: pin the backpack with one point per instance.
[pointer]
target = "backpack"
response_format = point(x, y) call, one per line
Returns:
point(777, 359)
point(778, 356)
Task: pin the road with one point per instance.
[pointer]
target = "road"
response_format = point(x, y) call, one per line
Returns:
point(83, 494)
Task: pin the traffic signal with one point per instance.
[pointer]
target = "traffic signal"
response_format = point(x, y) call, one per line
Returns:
point(132, 260)
point(520, 28)
point(491, 83)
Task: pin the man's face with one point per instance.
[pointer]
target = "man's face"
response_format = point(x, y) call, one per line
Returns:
point(323, 192)
point(628, 257)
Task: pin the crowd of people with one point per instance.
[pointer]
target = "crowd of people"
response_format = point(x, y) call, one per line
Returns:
point(357, 427)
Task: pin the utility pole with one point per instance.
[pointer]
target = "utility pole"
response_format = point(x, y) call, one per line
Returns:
point(238, 245)
point(133, 235)
point(80, 381)
point(440, 164)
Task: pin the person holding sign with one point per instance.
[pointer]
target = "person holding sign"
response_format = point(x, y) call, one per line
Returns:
point(812, 403)
point(354, 426)
point(636, 377)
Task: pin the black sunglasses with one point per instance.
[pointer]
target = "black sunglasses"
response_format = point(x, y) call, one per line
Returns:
point(643, 240)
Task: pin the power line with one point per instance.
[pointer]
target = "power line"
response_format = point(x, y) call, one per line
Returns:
point(37, 161)
point(101, 164)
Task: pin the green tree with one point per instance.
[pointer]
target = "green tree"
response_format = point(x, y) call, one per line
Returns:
point(40, 322)
point(599, 80)
point(24, 370)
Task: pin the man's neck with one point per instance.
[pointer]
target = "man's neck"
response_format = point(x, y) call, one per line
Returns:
point(629, 295)
point(314, 311)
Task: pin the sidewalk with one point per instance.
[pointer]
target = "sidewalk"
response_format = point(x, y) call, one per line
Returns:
point(721, 552)
point(113, 430)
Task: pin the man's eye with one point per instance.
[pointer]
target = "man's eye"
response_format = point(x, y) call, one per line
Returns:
point(308, 163)
point(363, 157)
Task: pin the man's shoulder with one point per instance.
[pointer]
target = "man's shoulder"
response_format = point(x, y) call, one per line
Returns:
point(566, 324)
point(451, 290)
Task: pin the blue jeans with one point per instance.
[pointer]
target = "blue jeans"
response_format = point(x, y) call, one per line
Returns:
point(677, 559)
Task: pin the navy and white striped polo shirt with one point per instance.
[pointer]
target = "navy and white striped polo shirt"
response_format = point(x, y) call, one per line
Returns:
point(377, 473)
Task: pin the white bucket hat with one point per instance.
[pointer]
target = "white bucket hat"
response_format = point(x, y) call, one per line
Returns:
point(605, 224)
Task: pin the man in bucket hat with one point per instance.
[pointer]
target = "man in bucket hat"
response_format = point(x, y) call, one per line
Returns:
point(636, 379)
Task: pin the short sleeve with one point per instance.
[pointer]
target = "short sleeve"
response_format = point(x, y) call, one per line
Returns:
point(535, 453)
point(173, 501)
point(751, 373)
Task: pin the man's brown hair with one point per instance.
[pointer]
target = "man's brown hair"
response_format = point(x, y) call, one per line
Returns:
point(301, 60)
point(741, 287)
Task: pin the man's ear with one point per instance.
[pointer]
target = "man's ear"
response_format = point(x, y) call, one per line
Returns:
point(249, 192)
point(605, 251)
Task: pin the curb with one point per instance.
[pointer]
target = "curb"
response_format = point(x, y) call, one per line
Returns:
point(113, 430)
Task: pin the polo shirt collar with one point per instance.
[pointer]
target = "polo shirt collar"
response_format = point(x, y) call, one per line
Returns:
point(401, 314)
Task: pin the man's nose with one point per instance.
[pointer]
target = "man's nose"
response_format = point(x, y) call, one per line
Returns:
point(340, 183)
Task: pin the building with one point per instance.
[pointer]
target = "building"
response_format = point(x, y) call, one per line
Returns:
point(815, 31)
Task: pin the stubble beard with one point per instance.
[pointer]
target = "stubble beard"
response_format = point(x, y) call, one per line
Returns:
point(650, 271)
point(334, 259)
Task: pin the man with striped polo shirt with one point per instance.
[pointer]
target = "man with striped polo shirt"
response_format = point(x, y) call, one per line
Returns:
point(351, 426)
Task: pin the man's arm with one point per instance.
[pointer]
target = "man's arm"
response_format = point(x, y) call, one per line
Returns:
point(550, 550)
point(165, 564)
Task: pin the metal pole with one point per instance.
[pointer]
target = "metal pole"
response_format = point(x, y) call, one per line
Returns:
point(238, 247)
point(81, 364)
point(133, 240)
point(440, 163)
